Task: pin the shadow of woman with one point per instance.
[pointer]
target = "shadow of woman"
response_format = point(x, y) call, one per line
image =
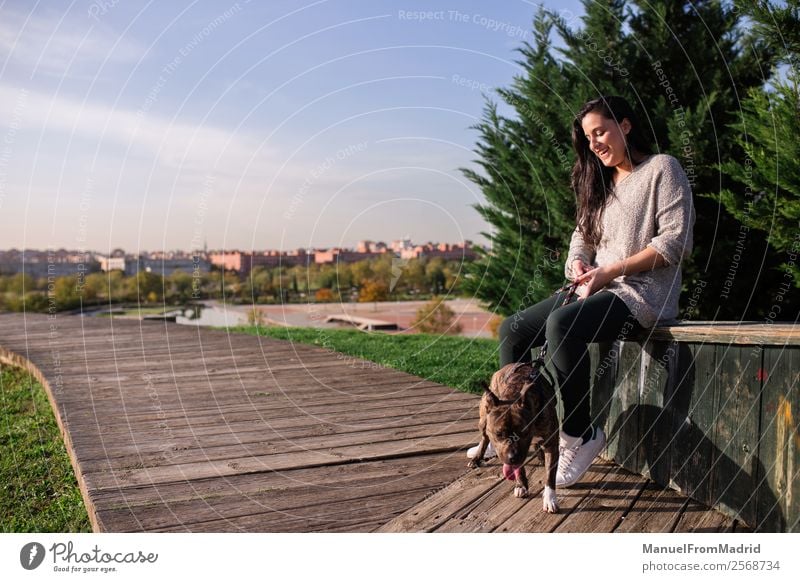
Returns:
point(672, 413)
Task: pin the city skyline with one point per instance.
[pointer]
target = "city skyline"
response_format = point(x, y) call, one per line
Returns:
point(53, 262)
point(189, 251)
point(247, 126)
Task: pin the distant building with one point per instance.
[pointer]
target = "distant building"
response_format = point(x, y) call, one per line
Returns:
point(49, 263)
point(244, 262)
point(111, 263)
point(448, 252)
point(368, 246)
point(338, 255)
point(159, 262)
point(401, 245)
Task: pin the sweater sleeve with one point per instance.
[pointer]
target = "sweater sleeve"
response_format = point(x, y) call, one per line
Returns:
point(578, 249)
point(675, 216)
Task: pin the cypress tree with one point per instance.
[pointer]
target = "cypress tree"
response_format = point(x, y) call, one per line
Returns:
point(684, 65)
point(766, 132)
point(525, 161)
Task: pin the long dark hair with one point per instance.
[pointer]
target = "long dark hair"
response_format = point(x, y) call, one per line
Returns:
point(591, 179)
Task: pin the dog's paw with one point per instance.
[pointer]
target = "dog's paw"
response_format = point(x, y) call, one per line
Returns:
point(520, 492)
point(474, 463)
point(549, 501)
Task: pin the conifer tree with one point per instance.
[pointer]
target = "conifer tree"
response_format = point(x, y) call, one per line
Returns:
point(684, 65)
point(525, 161)
point(767, 133)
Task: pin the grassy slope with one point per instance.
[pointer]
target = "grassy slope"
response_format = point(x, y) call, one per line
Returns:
point(39, 490)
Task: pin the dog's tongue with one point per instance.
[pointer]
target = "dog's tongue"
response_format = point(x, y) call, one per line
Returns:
point(511, 472)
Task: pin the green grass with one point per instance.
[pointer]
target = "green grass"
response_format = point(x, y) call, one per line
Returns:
point(39, 490)
point(463, 363)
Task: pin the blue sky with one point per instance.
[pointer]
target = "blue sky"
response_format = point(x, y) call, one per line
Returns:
point(246, 124)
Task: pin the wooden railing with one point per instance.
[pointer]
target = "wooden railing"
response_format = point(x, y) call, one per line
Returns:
point(709, 409)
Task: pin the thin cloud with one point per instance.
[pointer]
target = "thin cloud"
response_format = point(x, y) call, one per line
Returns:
point(174, 143)
point(49, 42)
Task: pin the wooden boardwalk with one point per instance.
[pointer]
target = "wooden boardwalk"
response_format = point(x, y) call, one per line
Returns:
point(608, 499)
point(175, 428)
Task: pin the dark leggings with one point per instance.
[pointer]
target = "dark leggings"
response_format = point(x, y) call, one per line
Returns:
point(600, 317)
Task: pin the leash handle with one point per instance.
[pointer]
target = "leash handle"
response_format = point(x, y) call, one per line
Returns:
point(571, 287)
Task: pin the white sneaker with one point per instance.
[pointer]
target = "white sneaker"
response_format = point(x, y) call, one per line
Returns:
point(487, 454)
point(575, 457)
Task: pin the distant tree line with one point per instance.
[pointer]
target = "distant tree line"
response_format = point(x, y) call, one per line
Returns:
point(381, 279)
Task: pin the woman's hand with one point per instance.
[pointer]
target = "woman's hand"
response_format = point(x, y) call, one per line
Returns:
point(595, 279)
point(579, 267)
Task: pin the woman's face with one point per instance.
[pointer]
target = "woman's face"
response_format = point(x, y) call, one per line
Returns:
point(606, 137)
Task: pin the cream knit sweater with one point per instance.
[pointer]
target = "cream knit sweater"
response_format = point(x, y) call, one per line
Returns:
point(652, 207)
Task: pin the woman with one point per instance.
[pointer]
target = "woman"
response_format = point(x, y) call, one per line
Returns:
point(635, 219)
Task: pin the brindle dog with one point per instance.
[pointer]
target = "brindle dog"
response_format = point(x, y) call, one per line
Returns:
point(519, 410)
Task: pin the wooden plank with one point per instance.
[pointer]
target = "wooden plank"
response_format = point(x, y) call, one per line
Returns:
point(378, 413)
point(213, 449)
point(326, 478)
point(326, 422)
point(168, 453)
point(729, 332)
point(488, 512)
point(365, 485)
point(656, 510)
point(441, 506)
point(107, 367)
point(300, 369)
point(605, 359)
point(693, 453)
point(182, 404)
point(569, 498)
point(623, 437)
point(736, 436)
point(106, 477)
point(342, 516)
point(299, 376)
point(603, 509)
point(779, 451)
point(608, 401)
point(186, 400)
point(698, 518)
point(654, 413)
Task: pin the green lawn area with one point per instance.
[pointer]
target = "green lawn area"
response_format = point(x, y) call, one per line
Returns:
point(463, 363)
point(40, 493)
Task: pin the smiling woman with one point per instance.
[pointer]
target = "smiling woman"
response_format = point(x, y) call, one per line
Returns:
point(606, 151)
point(39, 491)
point(634, 227)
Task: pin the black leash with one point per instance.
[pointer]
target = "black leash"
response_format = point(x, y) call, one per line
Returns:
point(538, 363)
